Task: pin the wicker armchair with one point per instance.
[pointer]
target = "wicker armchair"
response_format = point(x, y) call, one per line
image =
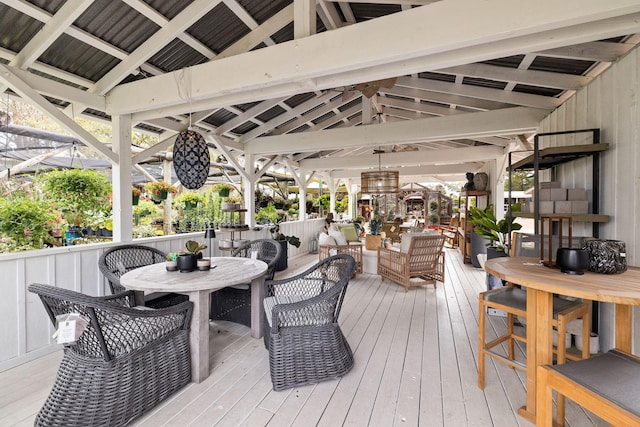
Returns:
point(116, 261)
point(305, 343)
point(125, 362)
point(353, 249)
point(233, 303)
point(421, 264)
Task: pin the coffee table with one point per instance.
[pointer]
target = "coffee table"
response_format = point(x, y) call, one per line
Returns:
point(225, 271)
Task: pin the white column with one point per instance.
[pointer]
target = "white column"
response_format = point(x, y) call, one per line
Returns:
point(166, 177)
point(122, 212)
point(250, 190)
point(331, 185)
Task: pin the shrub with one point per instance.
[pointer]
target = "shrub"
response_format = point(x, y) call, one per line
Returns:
point(25, 221)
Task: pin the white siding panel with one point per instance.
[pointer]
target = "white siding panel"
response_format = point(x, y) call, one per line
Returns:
point(27, 331)
point(610, 103)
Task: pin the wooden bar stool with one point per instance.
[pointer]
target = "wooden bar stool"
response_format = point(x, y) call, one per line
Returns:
point(513, 301)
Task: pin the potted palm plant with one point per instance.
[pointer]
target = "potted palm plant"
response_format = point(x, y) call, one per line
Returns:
point(373, 240)
point(495, 232)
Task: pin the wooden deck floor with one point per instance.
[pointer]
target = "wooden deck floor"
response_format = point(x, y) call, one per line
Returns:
point(415, 364)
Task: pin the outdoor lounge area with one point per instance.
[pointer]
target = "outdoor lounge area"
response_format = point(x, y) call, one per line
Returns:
point(209, 125)
point(415, 362)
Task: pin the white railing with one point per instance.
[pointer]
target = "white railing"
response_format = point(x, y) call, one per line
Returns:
point(26, 330)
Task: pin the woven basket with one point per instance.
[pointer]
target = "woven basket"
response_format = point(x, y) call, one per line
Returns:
point(606, 256)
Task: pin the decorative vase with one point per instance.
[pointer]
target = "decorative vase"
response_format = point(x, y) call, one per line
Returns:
point(204, 264)
point(171, 265)
point(372, 241)
point(187, 263)
point(480, 181)
point(135, 200)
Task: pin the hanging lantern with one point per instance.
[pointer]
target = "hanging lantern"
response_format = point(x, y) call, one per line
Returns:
point(191, 159)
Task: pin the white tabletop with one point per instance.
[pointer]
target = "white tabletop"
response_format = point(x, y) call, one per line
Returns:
point(227, 271)
point(197, 285)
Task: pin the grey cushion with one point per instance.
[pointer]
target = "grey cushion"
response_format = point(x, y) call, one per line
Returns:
point(613, 375)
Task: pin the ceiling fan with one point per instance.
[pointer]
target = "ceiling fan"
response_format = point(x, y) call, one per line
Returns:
point(368, 89)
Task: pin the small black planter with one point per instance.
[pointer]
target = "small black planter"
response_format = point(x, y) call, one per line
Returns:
point(187, 263)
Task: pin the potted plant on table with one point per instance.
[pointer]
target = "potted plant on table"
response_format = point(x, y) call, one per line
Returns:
point(187, 261)
point(495, 232)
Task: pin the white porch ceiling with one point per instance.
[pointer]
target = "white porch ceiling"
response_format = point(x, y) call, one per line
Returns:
point(474, 79)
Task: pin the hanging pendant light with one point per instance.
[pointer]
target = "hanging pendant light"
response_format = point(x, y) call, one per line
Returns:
point(191, 159)
point(379, 182)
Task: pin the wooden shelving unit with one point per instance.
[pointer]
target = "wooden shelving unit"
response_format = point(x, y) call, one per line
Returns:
point(546, 158)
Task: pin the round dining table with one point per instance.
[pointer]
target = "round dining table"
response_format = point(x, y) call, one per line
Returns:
point(197, 285)
point(541, 283)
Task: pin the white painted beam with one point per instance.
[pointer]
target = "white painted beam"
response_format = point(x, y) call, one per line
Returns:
point(55, 26)
point(394, 47)
point(529, 77)
point(470, 91)
point(153, 44)
point(409, 171)
point(304, 18)
point(406, 158)
point(25, 91)
point(57, 90)
point(260, 34)
point(490, 123)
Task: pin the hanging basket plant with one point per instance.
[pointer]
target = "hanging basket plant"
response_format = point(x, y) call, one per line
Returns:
point(190, 199)
point(135, 196)
point(160, 190)
point(223, 189)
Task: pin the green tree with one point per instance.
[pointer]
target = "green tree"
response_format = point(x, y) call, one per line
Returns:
point(521, 181)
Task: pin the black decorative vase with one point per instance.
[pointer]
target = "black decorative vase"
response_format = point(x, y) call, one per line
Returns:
point(187, 263)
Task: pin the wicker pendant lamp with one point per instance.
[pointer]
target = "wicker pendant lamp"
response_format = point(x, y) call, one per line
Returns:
point(379, 181)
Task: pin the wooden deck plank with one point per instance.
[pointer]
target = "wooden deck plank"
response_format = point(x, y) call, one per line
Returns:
point(415, 364)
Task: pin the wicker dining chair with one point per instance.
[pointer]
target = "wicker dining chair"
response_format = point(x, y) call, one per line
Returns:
point(116, 261)
point(125, 362)
point(305, 342)
point(233, 303)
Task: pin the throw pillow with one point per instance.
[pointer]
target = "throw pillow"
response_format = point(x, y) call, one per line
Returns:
point(325, 240)
point(338, 236)
point(405, 241)
point(350, 233)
